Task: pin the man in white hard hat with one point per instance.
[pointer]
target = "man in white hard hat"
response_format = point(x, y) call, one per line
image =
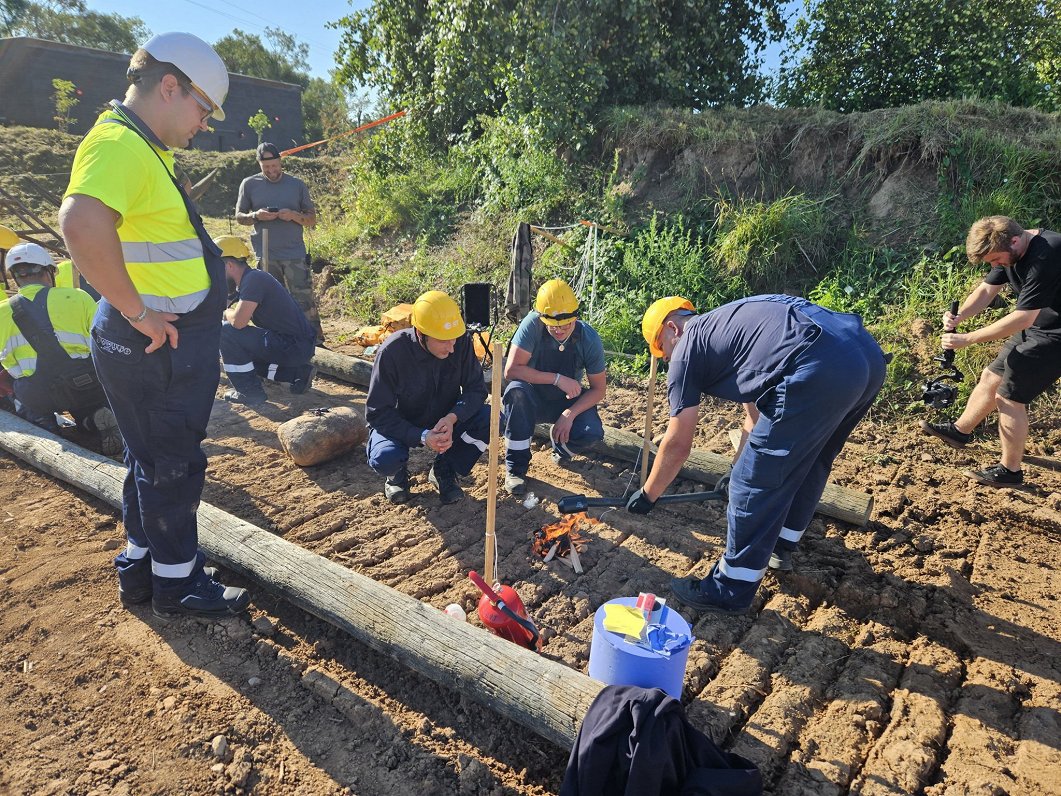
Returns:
point(44, 341)
point(137, 238)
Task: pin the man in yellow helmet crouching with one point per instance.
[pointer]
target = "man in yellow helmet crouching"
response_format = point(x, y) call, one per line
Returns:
point(550, 351)
point(427, 390)
point(281, 342)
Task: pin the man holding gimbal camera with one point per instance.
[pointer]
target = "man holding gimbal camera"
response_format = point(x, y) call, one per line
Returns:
point(1029, 260)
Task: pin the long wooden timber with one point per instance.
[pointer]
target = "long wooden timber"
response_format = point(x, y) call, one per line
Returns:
point(546, 697)
point(702, 466)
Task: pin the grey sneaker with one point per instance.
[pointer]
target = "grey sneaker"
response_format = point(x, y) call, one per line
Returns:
point(948, 433)
point(515, 485)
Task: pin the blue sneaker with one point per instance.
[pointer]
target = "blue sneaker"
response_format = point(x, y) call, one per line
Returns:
point(206, 597)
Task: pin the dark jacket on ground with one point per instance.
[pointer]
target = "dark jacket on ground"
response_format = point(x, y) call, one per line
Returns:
point(411, 389)
point(638, 742)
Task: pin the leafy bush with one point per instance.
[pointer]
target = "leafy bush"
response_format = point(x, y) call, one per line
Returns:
point(768, 243)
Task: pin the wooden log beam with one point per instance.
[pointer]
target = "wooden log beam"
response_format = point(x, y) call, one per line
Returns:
point(546, 697)
point(702, 466)
point(705, 467)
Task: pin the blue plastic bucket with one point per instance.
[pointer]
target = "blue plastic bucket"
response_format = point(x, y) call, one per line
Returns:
point(615, 661)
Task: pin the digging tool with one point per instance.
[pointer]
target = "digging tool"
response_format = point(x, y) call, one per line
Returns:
point(647, 441)
point(939, 392)
point(491, 479)
point(505, 614)
point(571, 504)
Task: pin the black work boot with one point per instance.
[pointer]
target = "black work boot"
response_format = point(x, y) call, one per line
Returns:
point(444, 479)
point(396, 487)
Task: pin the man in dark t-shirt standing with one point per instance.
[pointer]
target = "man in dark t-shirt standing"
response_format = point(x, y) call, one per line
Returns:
point(1029, 260)
point(811, 375)
point(278, 346)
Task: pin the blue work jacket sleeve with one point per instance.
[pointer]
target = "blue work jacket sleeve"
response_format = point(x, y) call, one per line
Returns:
point(381, 405)
point(473, 385)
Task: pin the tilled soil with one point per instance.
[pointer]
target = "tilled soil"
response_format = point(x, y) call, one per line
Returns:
point(920, 654)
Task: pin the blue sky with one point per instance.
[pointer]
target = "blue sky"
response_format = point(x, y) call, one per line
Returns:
point(212, 19)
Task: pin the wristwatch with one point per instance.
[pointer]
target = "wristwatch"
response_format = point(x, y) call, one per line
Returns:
point(423, 436)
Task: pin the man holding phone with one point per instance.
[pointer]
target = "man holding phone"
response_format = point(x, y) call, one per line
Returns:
point(281, 204)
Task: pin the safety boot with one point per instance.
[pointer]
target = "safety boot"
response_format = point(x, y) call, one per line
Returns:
point(300, 385)
point(781, 560)
point(110, 438)
point(396, 487)
point(444, 480)
point(248, 399)
point(205, 597)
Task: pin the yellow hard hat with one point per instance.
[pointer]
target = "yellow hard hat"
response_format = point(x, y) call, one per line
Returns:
point(656, 314)
point(233, 246)
point(437, 315)
point(7, 238)
point(556, 303)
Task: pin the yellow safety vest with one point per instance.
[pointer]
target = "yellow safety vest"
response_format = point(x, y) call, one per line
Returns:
point(70, 312)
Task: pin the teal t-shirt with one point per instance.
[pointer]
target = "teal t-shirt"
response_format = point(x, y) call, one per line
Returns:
point(589, 350)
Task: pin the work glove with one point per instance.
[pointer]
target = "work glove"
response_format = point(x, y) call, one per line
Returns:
point(639, 503)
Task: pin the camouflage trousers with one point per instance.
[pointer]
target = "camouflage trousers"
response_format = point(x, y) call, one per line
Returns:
point(297, 277)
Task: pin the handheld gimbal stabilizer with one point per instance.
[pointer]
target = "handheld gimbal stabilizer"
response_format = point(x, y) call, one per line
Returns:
point(942, 390)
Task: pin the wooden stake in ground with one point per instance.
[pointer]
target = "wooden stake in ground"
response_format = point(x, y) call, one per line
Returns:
point(491, 480)
point(265, 250)
point(649, 405)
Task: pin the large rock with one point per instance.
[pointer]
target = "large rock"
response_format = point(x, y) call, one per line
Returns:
point(322, 434)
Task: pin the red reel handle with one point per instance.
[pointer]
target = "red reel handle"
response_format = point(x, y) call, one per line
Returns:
point(485, 589)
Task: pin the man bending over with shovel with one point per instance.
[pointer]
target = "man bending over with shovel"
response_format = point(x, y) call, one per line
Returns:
point(811, 374)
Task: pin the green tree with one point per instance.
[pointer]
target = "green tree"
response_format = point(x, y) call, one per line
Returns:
point(71, 22)
point(554, 63)
point(259, 123)
point(325, 109)
point(284, 60)
point(859, 55)
point(66, 99)
point(10, 11)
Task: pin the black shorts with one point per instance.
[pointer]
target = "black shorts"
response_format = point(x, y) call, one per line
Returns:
point(1029, 364)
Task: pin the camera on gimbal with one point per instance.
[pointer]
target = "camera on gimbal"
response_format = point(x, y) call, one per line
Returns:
point(942, 391)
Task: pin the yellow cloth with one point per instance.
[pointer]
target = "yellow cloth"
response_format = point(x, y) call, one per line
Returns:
point(163, 254)
point(623, 619)
point(64, 276)
point(71, 314)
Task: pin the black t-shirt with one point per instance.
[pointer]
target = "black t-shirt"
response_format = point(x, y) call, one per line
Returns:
point(1036, 280)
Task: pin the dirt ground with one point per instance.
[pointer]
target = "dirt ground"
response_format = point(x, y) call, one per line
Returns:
point(918, 655)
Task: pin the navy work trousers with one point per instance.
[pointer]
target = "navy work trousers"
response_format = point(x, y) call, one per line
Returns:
point(162, 403)
point(251, 352)
point(526, 404)
point(803, 424)
point(387, 456)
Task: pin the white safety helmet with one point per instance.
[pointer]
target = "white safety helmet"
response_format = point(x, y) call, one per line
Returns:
point(198, 61)
point(29, 254)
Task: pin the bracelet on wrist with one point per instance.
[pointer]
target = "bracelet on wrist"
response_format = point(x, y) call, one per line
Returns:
point(556, 381)
point(136, 318)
